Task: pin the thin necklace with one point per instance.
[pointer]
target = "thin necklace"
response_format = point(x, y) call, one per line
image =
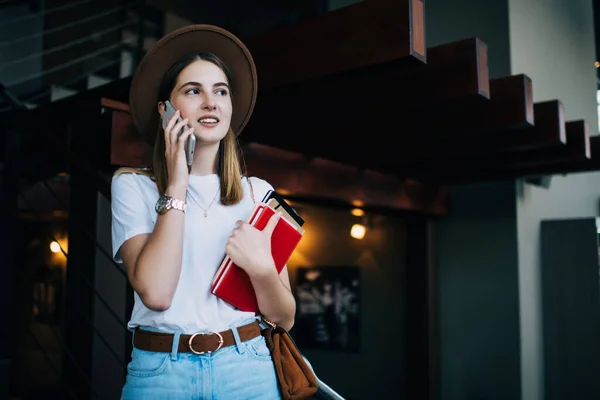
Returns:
point(205, 209)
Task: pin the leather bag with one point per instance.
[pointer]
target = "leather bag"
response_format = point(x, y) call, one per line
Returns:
point(296, 378)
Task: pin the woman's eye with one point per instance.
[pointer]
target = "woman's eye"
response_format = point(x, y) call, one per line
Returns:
point(192, 91)
point(222, 92)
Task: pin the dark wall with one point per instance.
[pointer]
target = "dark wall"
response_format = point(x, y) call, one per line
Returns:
point(448, 21)
point(479, 295)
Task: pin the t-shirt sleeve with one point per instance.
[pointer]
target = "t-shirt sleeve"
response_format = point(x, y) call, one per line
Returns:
point(130, 216)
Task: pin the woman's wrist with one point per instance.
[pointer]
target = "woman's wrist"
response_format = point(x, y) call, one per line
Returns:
point(176, 191)
point(263, 272)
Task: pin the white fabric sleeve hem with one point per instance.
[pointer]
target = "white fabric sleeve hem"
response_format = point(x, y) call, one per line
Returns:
point(128, 235)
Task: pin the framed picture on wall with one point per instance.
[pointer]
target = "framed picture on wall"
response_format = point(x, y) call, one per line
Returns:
point(328, 308)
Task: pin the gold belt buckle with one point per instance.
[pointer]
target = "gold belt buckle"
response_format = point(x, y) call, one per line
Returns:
point(205, 334)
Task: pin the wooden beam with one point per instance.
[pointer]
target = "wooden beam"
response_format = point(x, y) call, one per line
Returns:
point(461, 131)
point(454, 71)
point(374, 100)
point(576, 151)
point(115, 105)
point(549, 130)
point(127, 147)
point(466, 151)
point(362, 34)
point(292, 173)
point(569, 165)
point(296, 175)
point(592, 164)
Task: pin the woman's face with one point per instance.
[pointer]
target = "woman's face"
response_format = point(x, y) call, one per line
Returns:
point(202, 94)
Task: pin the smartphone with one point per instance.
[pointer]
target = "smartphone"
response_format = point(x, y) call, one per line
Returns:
point(190, 143)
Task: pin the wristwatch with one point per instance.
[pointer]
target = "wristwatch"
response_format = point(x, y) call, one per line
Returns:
point(166, 203)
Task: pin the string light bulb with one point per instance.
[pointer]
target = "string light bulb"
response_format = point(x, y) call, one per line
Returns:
point(54, 246)
point(358, 231)
point(358, 212)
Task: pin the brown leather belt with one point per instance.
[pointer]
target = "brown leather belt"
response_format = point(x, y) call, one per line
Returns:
point(199, 343)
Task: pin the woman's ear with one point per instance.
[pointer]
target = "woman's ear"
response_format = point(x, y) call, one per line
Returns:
point(161, 108)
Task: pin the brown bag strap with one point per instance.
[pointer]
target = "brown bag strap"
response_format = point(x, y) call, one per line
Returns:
point(296, 379)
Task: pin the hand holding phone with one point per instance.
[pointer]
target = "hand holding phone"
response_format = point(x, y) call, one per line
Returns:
point(190, 143)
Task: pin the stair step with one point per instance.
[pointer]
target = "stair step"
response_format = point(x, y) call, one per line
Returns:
point(96, 80)
point(126, 64)
point(60, 92)
point(130, 37)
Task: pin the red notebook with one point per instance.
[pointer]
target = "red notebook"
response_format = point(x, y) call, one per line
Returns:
point(232, 284)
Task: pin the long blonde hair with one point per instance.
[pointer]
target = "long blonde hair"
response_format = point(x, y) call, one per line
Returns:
point(229, 158)
point(227, 164)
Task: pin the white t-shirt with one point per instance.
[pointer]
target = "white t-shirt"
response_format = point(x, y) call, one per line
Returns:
point(193, 308)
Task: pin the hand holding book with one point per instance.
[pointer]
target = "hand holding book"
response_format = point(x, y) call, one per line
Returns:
point(231, 283)
point(250, 248)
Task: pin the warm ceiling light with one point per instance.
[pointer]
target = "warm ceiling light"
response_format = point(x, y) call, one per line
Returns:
point(358, 231)
point(597, 64)
point(54, 247)
point(358, 212)
point(357, 203)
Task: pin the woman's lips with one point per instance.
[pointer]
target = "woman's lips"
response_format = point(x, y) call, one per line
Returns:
point(208, 121)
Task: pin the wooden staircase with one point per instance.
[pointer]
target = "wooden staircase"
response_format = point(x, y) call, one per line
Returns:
point(433, 116)
point(358, 93)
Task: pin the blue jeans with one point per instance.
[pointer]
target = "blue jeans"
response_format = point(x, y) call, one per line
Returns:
point(242, 371)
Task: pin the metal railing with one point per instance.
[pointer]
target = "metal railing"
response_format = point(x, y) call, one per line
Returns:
point(17, 105)
point(120, 52)
point(123, 50)
point(65, 26)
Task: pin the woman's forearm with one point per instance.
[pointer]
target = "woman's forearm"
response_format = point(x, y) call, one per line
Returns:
point(275, 301)
point(158, 265)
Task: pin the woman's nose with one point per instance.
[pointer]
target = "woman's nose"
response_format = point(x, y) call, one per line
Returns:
point(209, 103)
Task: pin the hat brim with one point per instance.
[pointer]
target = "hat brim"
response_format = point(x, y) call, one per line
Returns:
point(143, 94)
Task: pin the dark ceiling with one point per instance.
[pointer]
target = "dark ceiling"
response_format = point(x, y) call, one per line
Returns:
point(243, 17)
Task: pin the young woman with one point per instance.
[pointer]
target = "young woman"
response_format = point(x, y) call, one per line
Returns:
point(172, 226)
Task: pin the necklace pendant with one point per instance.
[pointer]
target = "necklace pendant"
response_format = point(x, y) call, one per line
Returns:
point(205, 214)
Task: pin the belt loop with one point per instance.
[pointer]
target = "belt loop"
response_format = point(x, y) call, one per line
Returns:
point(175, 346)
point(261, 324)
point(238, 342)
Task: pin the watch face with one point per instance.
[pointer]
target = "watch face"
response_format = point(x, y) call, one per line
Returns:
point(161, 204)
